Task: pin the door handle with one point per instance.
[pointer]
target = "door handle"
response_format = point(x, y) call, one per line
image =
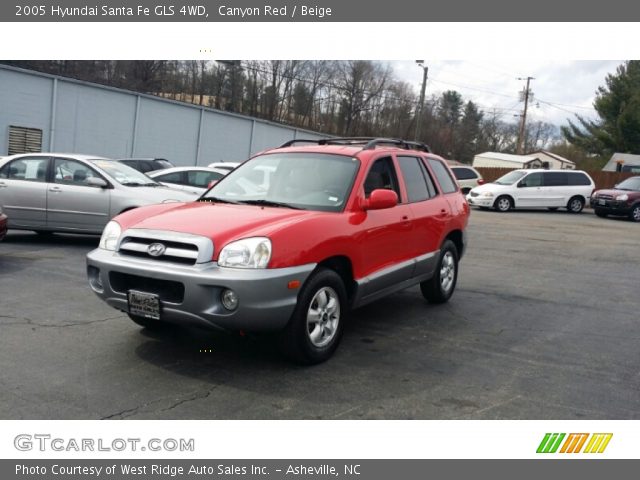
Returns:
point(3, 185)
point(55, 189)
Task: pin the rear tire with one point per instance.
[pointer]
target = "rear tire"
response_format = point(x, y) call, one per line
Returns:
point(316, 325)
point(440, 287)
point(575, 205)
point(634, 214)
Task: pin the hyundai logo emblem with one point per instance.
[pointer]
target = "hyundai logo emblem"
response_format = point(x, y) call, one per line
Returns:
point(156, 249)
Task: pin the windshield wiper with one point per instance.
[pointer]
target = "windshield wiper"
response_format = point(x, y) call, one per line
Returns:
point(218, 200)
point(270, 203)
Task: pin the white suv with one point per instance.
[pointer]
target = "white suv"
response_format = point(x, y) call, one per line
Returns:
point(552, 189)
point(467, 177)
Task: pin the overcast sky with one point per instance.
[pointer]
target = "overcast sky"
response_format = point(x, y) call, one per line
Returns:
point(569, 86)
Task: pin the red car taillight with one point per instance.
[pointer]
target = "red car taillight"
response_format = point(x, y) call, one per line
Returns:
point(480, 181)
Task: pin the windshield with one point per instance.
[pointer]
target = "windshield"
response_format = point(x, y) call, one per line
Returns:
point(309, 181)
point(124, 174)
point(632, 183)
point(510, 178)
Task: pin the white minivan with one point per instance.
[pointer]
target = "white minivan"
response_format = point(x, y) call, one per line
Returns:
point(552, 189)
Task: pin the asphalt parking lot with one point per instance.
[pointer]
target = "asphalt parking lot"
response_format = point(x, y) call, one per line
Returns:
point(543, 325)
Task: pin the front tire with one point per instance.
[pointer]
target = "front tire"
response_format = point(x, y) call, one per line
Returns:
point(315, 328)
point(634, 214)
point(503, 204)
point(575, 205)
point(600, 213)
point(440, 287)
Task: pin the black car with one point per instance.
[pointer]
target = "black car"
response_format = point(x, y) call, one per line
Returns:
point(145, 165)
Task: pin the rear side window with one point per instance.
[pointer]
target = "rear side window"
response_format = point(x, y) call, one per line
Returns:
point(414, 179)
point(442, 174)
point(578, 178)
point(175, 177)
point(30, 169)
point(555, 179)
point(464, 173)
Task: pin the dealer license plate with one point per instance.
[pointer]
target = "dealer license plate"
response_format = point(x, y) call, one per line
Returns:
point(602, 202)
point(143, 304)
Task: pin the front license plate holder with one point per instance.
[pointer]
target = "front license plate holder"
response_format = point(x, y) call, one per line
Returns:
point(602, 202)
point(142, 304)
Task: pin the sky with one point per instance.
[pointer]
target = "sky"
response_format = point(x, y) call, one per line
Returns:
point(561, 88)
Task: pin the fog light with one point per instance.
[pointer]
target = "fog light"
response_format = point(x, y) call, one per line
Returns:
point(94, 279)
point(229, 299)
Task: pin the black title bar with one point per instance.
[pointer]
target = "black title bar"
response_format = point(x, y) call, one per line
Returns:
point(324, 11)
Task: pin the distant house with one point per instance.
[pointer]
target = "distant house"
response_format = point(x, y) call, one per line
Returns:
point(553, 160)
point(623, 162)
point(506, 160)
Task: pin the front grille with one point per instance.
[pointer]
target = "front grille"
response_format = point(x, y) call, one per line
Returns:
point(175, 252)
point(605, 196)
point(474, 194)
point(167, 290)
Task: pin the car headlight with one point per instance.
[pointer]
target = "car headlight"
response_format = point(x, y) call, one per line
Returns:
point(110, 236)
point(487, 194)
point(622, 198)
point(252, 252)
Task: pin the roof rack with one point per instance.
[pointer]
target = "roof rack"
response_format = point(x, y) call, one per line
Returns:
point(369, 142)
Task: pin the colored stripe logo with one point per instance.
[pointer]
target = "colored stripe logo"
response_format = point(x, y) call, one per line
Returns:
point(574, 443)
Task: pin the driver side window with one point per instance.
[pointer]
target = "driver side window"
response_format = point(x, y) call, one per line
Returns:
point(382, 175)
point(532, 180)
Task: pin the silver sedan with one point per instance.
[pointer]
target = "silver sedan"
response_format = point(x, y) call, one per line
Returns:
point(49, 192)
point(189, 179)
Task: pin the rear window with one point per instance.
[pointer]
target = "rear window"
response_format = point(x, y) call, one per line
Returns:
point(464, 173)
point(578, 178)
point(447, 183)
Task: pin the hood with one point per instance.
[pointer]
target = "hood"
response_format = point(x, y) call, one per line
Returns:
point(614, 192)
point(161, 194)
point(490, 187)
point(218, 221)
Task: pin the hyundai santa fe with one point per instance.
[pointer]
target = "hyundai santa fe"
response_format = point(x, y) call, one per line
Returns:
point(335, 225)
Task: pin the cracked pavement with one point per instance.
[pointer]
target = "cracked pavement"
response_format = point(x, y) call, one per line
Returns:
point(543, 325)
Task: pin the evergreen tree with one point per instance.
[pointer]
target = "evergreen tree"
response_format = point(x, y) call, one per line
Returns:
point(618, 106)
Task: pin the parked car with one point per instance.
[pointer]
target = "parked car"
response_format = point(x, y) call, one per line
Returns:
point(624, 199)
point(552, 189)
point(468, 177)
point(188, 179)
point(3, 225)
point(339, 225)
point(51, 192)
point(145, 165)
point(224, 165)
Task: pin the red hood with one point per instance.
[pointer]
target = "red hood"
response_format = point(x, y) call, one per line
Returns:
point(220, 222)
point(614, 192)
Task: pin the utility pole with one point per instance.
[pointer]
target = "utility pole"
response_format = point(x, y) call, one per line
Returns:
point(425, 71)
point(523, 121)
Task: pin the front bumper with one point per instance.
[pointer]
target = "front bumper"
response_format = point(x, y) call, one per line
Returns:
point(192, 294)
point(614, 207)
point(480, 201)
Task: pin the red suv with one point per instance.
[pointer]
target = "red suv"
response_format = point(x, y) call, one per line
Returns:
point(624, 199)
point(290, 241)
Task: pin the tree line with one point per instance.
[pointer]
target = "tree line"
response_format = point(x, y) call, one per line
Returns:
point(344, 98)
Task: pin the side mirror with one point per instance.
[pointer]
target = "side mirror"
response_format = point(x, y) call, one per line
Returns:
point(521, 184)
point(96, 182)
point(381, 199)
